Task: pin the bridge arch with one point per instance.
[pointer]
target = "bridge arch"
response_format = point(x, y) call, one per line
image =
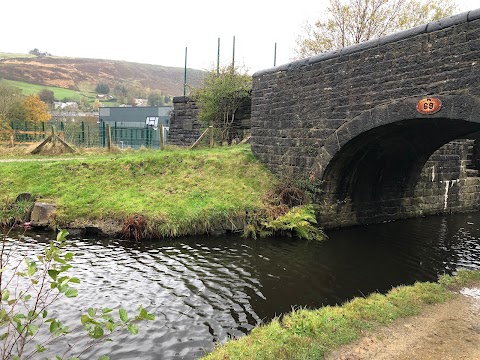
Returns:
point(349, 118)
point(372, 163)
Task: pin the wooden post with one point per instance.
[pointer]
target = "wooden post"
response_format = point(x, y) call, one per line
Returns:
point(54, 138)
point(162, 137)
point(12, 139)
point(200, 138)
point(109, 137)
point(210, 128)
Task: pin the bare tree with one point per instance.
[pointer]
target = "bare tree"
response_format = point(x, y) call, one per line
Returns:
point(10, 97)
point(347, 23)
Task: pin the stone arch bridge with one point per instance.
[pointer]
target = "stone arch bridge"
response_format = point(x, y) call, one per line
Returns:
point(349, 119)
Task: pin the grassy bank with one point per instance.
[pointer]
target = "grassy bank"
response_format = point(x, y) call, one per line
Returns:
point(177, 191)
point(311, 334)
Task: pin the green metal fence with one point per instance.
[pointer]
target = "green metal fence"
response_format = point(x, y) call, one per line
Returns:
point(24, 132)
point(80, 134)
point(87, 134)
point(131, 136)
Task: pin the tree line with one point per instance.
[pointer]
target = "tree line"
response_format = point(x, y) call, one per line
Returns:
point(346, 23)
point(126, 93)
point(15, 106)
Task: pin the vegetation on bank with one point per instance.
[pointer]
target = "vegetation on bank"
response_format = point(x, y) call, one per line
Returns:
point(218, 100)
point(155, 194)
point(178, 192)
point(311, 334)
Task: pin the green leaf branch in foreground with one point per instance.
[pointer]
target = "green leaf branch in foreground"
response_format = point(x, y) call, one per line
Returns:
point(29, 291)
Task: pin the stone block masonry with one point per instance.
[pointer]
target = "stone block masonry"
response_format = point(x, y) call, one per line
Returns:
point(449, 181)
point(185, 128)
point(349, 119)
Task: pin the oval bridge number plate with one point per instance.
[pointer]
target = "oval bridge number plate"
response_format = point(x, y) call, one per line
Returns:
point(429, 106)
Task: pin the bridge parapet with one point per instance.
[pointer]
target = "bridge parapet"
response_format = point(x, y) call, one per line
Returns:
point(349, 117)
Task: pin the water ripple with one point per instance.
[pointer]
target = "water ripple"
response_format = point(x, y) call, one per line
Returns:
point(204, 291)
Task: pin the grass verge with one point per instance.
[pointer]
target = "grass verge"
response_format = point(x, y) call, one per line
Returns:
point(179, 192)
point(310, 334)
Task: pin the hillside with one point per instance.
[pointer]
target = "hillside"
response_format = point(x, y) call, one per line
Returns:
point(85, 74)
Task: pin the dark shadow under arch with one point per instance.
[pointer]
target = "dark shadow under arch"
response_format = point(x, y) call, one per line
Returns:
point(373, 171)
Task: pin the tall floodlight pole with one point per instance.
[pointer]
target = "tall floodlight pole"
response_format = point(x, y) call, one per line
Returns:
point(218, 57)
point(233, 55)
point(185, 75)
point(275, 56)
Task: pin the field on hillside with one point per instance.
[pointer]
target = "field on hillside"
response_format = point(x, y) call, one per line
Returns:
point(83, 75)
point(59, 93)
point(5, 55)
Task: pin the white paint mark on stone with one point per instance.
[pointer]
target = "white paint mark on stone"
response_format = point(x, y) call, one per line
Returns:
point(445, 203)
point(433, 173)
point(448, 185)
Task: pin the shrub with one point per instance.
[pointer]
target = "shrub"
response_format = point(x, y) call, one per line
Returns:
point(29, 290)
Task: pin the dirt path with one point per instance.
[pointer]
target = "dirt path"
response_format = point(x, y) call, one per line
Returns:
point(446, 331)
point(34, 160)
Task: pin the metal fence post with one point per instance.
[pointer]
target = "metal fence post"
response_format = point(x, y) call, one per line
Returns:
point(103, 133)
point(83, 133)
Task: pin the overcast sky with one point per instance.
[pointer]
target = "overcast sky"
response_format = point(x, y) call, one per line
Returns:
point(157, 32)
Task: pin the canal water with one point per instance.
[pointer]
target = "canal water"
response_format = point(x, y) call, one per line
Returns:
point(205, 290)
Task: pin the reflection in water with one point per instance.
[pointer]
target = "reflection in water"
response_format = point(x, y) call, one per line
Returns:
point(205, 290)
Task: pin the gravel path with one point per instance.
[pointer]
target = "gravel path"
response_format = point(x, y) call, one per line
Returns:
point(448, 331)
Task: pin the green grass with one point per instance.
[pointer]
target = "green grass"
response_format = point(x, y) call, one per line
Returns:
point(311, 334)
point(59, 93)
point(4, 55)
point(179, 191)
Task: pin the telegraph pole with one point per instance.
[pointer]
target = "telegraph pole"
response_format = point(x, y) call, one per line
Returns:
point(275, 56)
point(218, 57)
point(233, 56)
point(185, 75)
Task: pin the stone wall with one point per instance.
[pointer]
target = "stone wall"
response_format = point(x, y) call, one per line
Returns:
point(185, 128)
point(297, 106)
point(449, 181)
point(348, 118)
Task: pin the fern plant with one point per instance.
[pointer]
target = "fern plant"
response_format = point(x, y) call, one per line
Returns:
point(298, 221)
